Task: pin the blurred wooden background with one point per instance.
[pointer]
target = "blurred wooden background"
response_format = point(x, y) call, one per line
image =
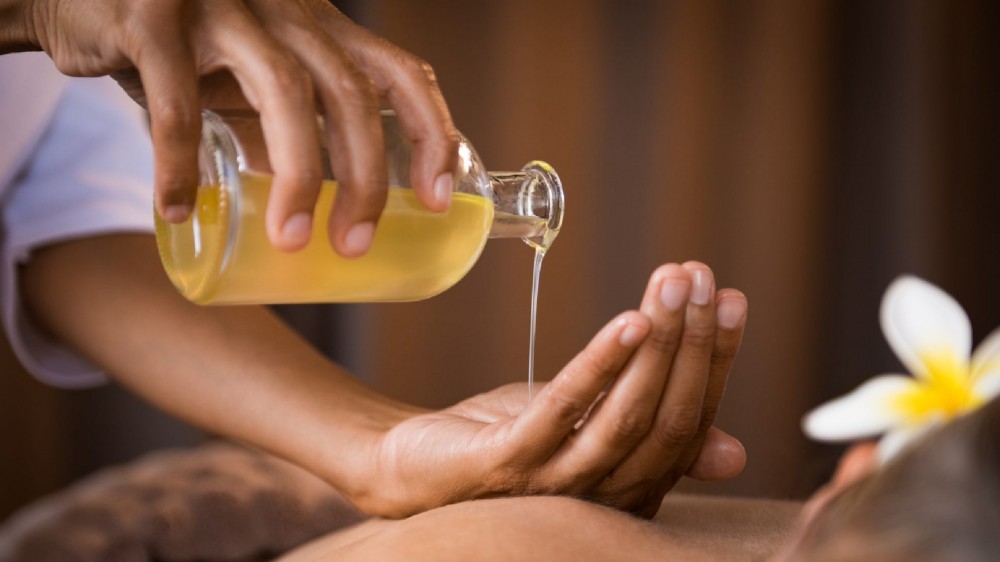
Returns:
point(808, 151)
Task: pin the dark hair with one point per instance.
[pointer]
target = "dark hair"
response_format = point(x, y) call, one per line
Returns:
point(938, 501)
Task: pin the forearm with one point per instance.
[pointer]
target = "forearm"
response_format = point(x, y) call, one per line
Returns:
point(236, 371)
point(16, 27)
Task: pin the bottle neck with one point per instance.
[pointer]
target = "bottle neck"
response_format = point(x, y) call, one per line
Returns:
point(528, 205)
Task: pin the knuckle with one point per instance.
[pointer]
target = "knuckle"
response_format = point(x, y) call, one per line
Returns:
point(418, 69)
point(633, 425)
point(131, 25)
point(366, 180)
point(175, 119)
point(566, 409)
point(289, 78)
point(362, 196)
point(355, 87)
point(310, 175)
point(699, 336)
point(450, 141)
point(664, 341)
point(304, 179)
point(678, 427)
point(452, 137)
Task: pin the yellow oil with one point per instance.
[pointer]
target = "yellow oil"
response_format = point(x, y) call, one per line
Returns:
point(224, 257)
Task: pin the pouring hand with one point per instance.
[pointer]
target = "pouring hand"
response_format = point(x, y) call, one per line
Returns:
point(288, 60)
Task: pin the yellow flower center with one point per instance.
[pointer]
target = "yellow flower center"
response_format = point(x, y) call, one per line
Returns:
point(946, 390)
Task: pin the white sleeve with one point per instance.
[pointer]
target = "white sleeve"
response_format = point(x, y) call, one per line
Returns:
point(90, 173)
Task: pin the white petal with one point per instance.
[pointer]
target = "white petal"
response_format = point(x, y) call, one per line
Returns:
point(865, 412)
point(986, 367)
point(987, 385)
point(920, 319)
point(898, 439)
point(987, 355)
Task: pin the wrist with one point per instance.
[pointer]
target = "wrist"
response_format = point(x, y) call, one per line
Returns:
point(17, 29)
point(360, 468)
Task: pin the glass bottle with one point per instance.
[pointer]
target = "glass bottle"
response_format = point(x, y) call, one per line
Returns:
point(221, 254)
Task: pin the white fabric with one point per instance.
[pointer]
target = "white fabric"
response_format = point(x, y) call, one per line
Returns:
point(75, 161)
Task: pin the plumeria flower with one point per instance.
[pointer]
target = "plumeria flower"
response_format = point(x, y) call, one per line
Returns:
point(931, 335)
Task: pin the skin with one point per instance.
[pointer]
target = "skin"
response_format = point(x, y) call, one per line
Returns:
point(664, 368)
point(287, 60)
point(688, 528)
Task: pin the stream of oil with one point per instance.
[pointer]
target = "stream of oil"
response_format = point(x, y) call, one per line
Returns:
point(540, 239)
point(541, 245)
point(539, 255)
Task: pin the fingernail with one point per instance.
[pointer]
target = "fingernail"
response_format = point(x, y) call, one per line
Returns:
point(632, 335)
point(442, 189)
point(359, 238)
point(731, 313)
point(673, 293)
point(297, 229)
point(701, 293)
point(177, 213)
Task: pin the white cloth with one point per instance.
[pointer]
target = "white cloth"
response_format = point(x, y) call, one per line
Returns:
point(75, 161)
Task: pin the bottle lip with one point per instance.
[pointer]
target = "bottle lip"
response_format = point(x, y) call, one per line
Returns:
point(554, 191)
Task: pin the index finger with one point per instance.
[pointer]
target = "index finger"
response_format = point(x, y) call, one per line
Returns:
point(169, 77)
point(547, 421)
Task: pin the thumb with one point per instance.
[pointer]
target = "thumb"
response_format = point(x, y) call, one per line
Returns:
point(722, 457)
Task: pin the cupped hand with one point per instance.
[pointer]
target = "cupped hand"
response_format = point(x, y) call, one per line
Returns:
point(286, 59)
point(664, 368)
